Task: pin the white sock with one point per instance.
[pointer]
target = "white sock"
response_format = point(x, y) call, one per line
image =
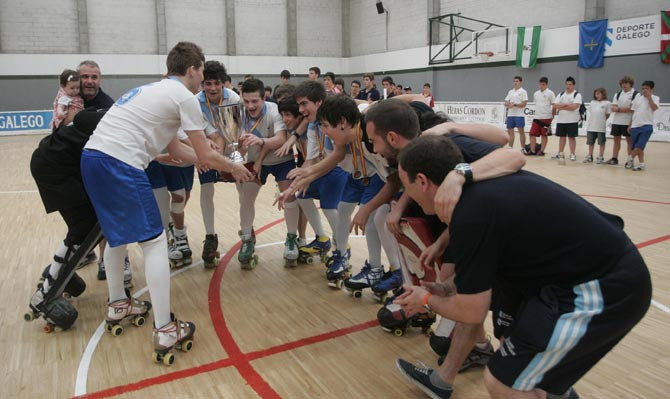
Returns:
point(291, 215)
point(157, 274)
point(331, 217)
point(389, 243)
point(180, 232)
point(163, 200)
point(309, 208)
point(55, 267)
point(207, 206)
point(630, 158)
point(247, 195)
point(344, 211)
point(373, 241)
point(114, 260)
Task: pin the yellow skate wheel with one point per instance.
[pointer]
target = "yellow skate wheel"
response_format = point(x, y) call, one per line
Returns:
point(358, 294)
point(116, 330)
point(338, 284)
point(168, 359)
point(173, 265)
point(399, 332)
point(309, 260)
point(186, 346)
point(29, 316)
point(253, 262)
point(139, 320)
point(324, 258)
point(156, 357)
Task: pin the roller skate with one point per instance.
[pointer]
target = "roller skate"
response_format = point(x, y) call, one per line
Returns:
point(291, 251)
point(175, 334)
point(210, 253)
point(247, 255)
point(329, 259)
point(180, 252)
point(127, 308)
point(73, 288)
point(57, 311)
point(338, 270)
point(314, 250)
point(127, 272)
point(392, 318)
point(391, 281)
point(366, 278)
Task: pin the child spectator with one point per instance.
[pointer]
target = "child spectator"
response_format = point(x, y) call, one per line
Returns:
point(68, 101)
point(599, 111)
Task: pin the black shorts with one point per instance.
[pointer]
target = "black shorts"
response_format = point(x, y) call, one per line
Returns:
point(561, 333)
point(80, 221)
point(620, 130)
point(567, 129)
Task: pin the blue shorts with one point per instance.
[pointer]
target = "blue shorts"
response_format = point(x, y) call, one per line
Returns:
point(178, 178)
point(155, 175)
point(122, 198)
point(516, 121)
point(279, 171)
point(328, 188)
point(211, 176)
point(355, 192)
point(640, 136)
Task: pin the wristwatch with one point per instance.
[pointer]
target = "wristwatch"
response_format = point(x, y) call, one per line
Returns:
point(465, 170)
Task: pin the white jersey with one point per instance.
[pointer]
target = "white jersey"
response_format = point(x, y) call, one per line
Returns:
point(597, 120)
point(643, 114)
point(269, 124)
point(565, 116)
point(543, 101)
point(145, 120)
point(623, 100)
point(516, 97)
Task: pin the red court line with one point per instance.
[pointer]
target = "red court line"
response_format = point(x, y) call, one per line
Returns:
point(625, 199)
point(238, 359)
point(652, 241)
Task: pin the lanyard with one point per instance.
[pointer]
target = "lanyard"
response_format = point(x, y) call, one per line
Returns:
point(358, 145)
point(320, 138)
point(255, 125)
point(209, 105)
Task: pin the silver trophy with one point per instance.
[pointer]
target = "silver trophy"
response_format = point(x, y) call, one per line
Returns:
point(230, 121)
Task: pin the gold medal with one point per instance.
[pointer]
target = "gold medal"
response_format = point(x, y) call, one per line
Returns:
point(357, 174)
point(365, 181)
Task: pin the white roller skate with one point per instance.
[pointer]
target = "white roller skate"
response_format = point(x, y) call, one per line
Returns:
point(366, 278)
point(291, 251)
point(127, 308)
point(180, 252)
point(175, 334)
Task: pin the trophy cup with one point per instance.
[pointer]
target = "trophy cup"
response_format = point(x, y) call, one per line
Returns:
point(230, 121)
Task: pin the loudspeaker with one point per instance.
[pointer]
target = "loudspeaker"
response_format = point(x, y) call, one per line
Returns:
point(380, 7)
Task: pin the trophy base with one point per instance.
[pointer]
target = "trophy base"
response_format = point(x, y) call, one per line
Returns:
point(236, 157)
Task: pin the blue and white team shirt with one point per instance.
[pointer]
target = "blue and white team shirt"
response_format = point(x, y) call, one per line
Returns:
point(268, 124)
point(145, 120)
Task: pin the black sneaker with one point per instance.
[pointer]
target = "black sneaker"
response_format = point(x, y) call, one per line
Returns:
point(91, 257)
point(571, 394)
point(440, 344)
point(421, 378)
point(612, 161)
point(102, 275)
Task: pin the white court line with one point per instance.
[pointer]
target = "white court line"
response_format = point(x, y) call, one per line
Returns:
point(85, 362)
point(661, 306)
point(18, 192)
point(82, 372)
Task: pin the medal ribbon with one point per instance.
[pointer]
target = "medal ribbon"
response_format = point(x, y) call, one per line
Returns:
point(358, 145)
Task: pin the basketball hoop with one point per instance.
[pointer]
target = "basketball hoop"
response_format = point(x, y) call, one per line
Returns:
point(484, 55)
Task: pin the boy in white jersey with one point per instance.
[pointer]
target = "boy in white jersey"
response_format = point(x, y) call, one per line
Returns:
point(642, 122)
point(264, 130)
point(213, 94)
point(327, 188)
point(543, 99)
point(515, 102)
point(566, 106)
point(141, 124)
point(621, 107)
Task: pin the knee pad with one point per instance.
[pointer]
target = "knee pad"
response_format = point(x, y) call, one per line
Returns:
point(178, 207)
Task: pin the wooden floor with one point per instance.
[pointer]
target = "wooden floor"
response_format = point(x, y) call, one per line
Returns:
point(273, 332)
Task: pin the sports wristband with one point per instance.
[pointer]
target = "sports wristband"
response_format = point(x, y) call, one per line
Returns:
point(297, 135)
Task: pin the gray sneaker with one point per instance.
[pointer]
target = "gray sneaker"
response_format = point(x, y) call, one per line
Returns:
point(476, 358)
point(628, 164)
point(421, 378)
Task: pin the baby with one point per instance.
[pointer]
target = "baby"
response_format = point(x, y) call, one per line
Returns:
point(68, 101)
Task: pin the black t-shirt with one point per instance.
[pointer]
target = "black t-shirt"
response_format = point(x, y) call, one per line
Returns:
point(496, 240)
point(100, 101)
point(372, 95)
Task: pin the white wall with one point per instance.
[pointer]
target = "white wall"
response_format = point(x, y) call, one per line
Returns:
point(121, 26)
point(204, 24)
point(319, 28)
point(622, 9)
point(39, 26)
point(260, 27)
